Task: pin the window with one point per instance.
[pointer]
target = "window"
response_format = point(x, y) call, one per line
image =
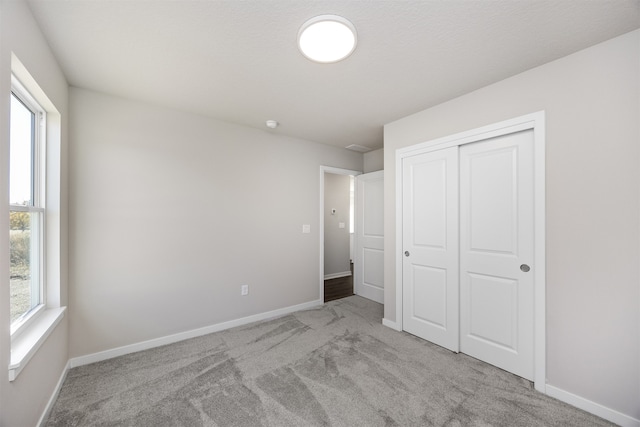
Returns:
point(37, 219)
point(27, 206)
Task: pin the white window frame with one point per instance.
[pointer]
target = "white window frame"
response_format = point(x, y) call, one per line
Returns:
point(38, 204)
point(33, 332)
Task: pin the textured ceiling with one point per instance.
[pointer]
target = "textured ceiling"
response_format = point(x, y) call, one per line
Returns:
point(238, 60)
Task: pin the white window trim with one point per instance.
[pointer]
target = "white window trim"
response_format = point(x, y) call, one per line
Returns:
point(41, 323)
point(39, 202)
point(25, 345)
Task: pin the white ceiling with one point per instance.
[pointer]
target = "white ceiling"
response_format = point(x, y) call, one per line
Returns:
point(238, 60)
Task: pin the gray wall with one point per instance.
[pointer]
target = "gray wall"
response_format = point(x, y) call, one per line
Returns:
point(591, 100)
point(171, 213)
point(336, 240)
point(374, 160)
point(23, 401)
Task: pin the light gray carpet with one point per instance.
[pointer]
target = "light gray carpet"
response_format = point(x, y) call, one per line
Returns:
point(335, 365)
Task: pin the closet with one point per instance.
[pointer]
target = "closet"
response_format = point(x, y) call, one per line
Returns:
point(468, 254)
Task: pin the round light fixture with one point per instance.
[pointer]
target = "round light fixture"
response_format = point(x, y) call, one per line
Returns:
point(327, 38)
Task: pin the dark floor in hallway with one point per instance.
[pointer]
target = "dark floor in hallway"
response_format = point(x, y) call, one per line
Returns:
point(339, 287)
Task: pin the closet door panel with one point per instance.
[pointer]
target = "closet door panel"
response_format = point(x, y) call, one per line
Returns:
point(496, 251)
point(430, 247)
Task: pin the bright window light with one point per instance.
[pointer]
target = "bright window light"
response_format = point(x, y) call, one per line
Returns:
point(26, 208)
point(327, 38)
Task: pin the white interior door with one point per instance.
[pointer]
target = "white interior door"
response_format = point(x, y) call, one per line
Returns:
point(496, 252)
point(369, 259)
point(430, 246)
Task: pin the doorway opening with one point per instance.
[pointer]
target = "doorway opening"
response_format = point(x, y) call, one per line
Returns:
point(337, 207)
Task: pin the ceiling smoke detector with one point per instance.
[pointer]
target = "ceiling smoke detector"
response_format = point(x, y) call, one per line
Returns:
point(327, 38)
point(272, 124)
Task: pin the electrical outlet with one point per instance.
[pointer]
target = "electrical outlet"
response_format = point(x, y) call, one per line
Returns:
point(244, 290)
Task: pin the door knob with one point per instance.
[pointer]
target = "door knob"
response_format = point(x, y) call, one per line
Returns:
point(406, 253)
point(525, 268)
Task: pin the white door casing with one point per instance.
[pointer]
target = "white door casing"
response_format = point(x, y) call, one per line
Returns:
point(369, 227)
point(535, 124)
point(496, 239)
point(430, 250)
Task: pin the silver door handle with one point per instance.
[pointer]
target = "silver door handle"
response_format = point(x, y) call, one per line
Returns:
point(406, 253)
point(525, 268)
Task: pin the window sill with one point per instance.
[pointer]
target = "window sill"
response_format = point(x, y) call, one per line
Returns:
point(25, 346)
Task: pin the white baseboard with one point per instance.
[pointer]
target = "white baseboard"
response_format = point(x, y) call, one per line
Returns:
point(337, 275)
point(391, 324)
point(54, 396)
point(157, 342)
point(593, 407)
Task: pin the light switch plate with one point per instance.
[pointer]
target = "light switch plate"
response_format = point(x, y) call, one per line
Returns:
point(341, 225)
point(306, 228)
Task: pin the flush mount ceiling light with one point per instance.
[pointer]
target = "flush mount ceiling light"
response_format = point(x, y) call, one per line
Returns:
point(327, 38)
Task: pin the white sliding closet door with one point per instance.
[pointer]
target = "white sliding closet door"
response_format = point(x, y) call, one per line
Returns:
point(496, 252)
point(468, 249)
point(430, 246)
